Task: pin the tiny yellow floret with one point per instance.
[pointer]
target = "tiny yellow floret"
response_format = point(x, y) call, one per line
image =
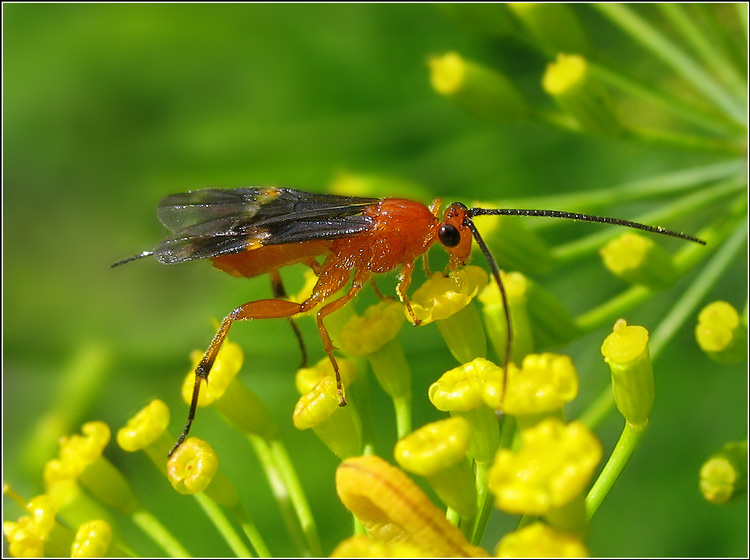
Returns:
point(92, 540)
point(362, 336)
point(462, 388)
point(192, 466)
point(434, 447)
point(440, 296)
point(552, 467)
point(539, 540)
point(145, 427)
point(228, 363)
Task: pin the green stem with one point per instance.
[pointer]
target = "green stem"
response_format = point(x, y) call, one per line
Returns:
point(220, 521)
point(652, 39)
point(402, 407)
point(622, 452)
point(251, 531)
point(669, 184)
point(484, 503)
point(659, 138)
point(581, 248)
point(709, 50)
point(158, 533)
point(665, 100)
point(297, 494)
point(279, 490)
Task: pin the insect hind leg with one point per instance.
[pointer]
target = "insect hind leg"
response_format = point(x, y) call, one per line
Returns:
point(277, 286)
point(260, 309)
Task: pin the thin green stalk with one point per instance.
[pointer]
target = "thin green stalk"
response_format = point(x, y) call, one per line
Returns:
point(484, 503)
point(735, 51)
point(158, 533)
point(669, 184)
point(659, 138)
point(220, 521)
point(709, 51)
point(251, 531)
point(622, 452)
point(402, 407)
point(297, 494)
point(652, 39)
point(279, 490)
point(664, 99)
point(581, 248)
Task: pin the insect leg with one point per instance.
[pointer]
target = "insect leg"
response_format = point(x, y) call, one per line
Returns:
point(280, 293)
point(403, 285)
point(261, 309)
point(360, 279)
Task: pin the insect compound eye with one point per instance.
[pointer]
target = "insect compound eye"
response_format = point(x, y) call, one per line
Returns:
point(449, 235)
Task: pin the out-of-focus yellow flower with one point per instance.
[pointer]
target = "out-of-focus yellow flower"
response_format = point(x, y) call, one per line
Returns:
point(92, 540)
point(551, 468)
point(192, 466)
point(226, 366)
point(145, 427)
point(476, 88)
point(626, 352)
point(394, 510)
point(543, 385)
point(638, 260)
point(79, 451)
point(437, 451)
point(27, 536)
point(361, 546)
point(721, 334)
point(338, 427)
point(724, 475)
point(361, 336)
point(570, 82)
point(307, 378)
point(442, 296)
point(539, 540)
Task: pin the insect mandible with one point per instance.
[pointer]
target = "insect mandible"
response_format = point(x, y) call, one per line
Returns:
point(251, 231)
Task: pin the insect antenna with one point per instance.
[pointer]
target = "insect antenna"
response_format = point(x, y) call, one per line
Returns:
point(580, 217)
point(133, 258)
point(503, 296)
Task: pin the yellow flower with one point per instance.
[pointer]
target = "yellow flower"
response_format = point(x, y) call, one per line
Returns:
point(721, 334)
point(361, 546)
point(92, 540)
point(145, 427)
point(544, 384)
point(440, 296)
point(192, 466)
point(226, 366)
point(551, 468)
point(308, 378)
point(394, 510)
point(540, 541)
point(361, 336)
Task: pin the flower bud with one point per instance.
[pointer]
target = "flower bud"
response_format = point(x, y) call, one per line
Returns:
point(145, 427)
point(437, 451)
point(477, 89)
point(638, 260)
point(626, 352)
point(192, 466)
point(721, 334)
point(724, 475)
point(540, 541)
point(92, 540)
point(573, 87)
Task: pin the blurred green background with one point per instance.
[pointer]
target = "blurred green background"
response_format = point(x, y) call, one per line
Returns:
point(108, 108)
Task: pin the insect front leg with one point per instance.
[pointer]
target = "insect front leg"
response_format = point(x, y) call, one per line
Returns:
point(261, 309)
point(359, 280)
point(403, 285)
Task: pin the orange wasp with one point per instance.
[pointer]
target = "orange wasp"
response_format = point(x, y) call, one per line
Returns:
point(251, 231)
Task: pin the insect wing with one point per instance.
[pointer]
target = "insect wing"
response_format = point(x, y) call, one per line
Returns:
point(212, 222)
